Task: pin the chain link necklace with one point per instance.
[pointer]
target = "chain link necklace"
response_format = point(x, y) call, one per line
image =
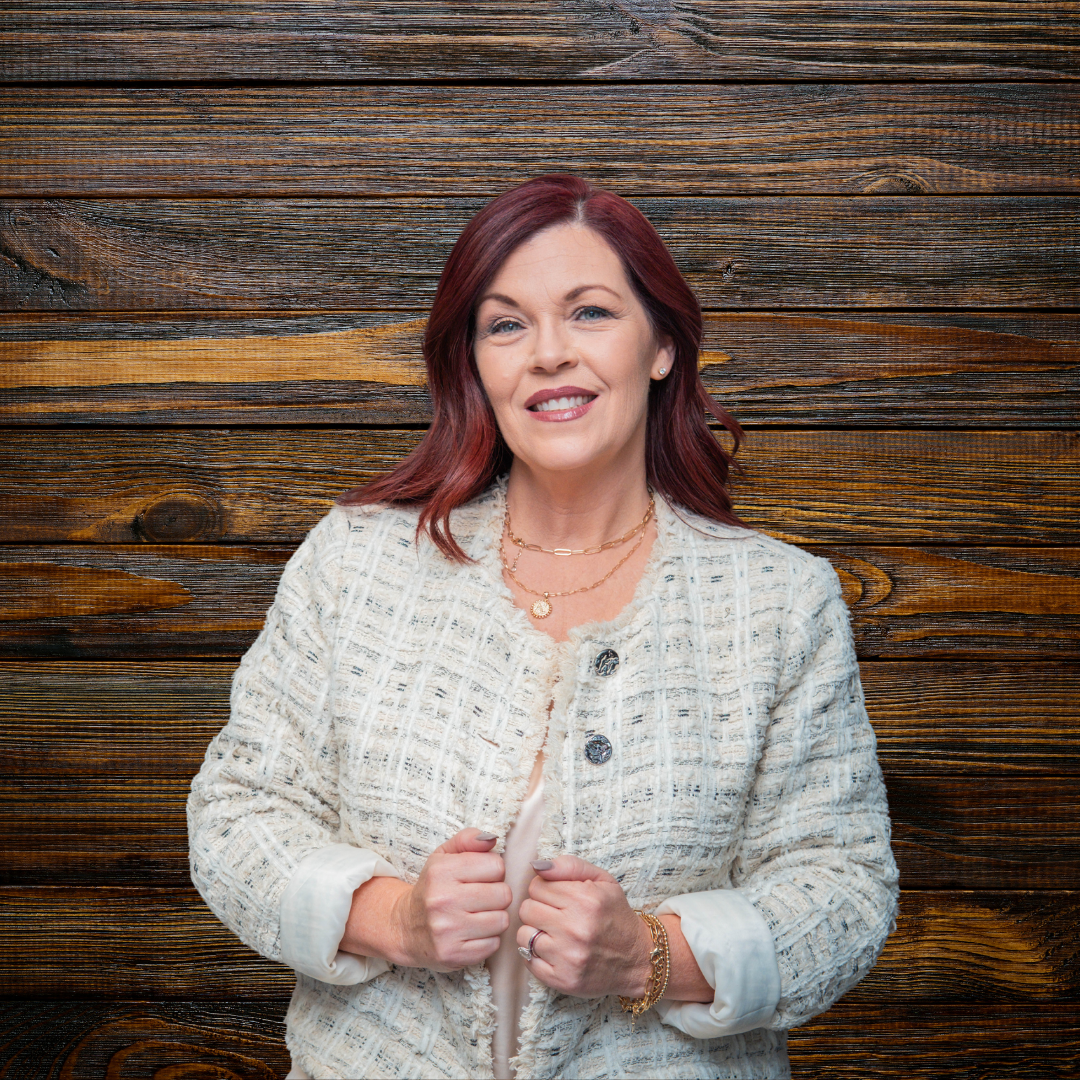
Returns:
point(541, 608)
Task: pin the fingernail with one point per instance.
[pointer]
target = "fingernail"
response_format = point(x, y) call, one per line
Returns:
point(541, 864)
point(487, 836)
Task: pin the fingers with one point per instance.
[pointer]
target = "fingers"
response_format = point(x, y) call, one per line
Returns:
point(467, 840)
point(485, 897)
point(570, 868)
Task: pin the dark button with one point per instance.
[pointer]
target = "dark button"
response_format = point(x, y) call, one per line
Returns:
point(597, 749)
point(606, 662)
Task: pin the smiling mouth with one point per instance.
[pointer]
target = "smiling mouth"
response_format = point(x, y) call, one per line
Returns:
point(563, 404)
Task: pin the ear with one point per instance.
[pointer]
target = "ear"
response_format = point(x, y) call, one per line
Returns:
point(664, 359)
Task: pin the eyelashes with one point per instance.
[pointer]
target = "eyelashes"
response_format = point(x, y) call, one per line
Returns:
point(589, 313)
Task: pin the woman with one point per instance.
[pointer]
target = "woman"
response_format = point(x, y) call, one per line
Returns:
point(548, 620)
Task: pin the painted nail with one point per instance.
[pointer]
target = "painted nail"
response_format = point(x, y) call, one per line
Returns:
point(541, 864)
point(486, 836)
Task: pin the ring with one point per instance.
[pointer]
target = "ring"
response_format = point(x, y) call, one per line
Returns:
point(527, 951)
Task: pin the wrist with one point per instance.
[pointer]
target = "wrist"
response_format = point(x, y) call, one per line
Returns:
point(641, 968)
point(372, 928)
point(400, 936)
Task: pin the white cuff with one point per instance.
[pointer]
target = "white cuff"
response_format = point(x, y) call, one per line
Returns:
point(734, 948)
point(315, 909)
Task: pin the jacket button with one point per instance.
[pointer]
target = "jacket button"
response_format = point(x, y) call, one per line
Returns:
point(606, 662)
point(597, 749)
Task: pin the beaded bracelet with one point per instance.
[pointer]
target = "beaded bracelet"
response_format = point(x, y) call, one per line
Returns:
point(656, 984)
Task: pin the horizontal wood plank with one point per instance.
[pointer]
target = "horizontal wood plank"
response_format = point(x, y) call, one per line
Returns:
point(639, 140)
point(936, 719)
point(95, 828)
point(158, 601)
point(957, 369)
point(873, 1042)
point(755, 252)
point(941, 719)
point(949, 947)
point(266, 486)
point(550, 39)
point(79, 1037)
point(980, 763)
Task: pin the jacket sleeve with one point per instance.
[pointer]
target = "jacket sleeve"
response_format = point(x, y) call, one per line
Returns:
point(815, 885)
point(263, 813)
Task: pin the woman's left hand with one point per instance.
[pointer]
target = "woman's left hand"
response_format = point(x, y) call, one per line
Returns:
point(593, 943)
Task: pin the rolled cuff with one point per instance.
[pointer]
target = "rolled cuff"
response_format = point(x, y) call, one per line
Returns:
point(734, 948)
point(315, 910)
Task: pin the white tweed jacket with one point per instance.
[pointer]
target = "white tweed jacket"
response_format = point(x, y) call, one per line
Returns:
point(394, 697)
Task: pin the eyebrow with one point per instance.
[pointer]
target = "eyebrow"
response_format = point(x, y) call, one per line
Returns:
point(572, 295)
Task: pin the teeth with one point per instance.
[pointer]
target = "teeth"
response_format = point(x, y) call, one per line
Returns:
point(562, 404)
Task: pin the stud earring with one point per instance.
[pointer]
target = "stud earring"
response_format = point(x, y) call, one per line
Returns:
point(663, 371)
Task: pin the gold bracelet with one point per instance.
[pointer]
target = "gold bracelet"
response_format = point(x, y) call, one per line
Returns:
point(660, 959)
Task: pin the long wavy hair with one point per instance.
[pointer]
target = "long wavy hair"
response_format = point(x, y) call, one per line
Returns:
point(463, 450)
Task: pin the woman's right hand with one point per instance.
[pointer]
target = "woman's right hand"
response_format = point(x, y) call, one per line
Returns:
point(457, 909)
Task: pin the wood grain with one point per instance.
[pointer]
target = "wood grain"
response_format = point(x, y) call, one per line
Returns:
point(79, 1039)
point(905, 601)
point(942, 719)
point(551, 39)
point(639, 140)
point(755, 252)
point(214, 486)
point(958, 369)
point(949, 947)
point(141, 719)
point(980, 763)
point(96, 826)
point(854, 1041)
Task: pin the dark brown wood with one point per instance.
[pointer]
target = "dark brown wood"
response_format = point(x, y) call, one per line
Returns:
point(208, 485)
point(552, 39)
point(756, 252)
point(942, 601)
point(957, 369)
point(79, 1038)
point(638, 140)
point(98, 827)
point(973, 1042)
point(949, 947)
point(99, 758)
point(158, 601)
point(144, 719)
point(183, 601)
point(977, 721)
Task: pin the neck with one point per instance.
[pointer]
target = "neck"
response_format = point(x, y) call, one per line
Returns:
point(573, 511)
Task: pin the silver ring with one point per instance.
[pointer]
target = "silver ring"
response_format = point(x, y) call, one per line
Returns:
point(526, 951)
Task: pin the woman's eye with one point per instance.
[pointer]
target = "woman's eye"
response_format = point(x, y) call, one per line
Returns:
point(591, 314)
point(504, 326)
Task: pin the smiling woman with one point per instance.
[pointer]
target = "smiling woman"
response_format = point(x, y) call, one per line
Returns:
point(537, 734)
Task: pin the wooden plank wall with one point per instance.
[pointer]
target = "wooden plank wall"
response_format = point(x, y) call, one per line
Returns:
point(220, 225)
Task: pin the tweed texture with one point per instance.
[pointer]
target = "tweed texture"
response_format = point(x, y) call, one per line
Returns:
point(393, 698)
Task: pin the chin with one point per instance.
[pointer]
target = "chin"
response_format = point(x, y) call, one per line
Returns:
point(569, 461)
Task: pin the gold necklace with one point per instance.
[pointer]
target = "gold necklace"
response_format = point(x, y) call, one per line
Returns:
point(541, 608)
point(579, 551)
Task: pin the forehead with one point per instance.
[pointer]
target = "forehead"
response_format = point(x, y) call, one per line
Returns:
point(562, 254)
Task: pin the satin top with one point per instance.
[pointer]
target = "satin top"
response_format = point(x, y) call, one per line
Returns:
point(509, 972)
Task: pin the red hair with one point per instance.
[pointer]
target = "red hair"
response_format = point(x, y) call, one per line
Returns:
point(463, 451)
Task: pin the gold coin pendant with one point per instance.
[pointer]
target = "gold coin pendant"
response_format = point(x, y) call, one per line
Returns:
point(541, 609)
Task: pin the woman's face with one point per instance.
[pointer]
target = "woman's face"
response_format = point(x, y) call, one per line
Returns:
point(566, 353)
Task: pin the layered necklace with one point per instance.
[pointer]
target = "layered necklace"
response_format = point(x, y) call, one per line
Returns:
point(541, 608)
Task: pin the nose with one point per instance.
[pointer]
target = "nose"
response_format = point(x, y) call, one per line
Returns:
point(552, 348)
